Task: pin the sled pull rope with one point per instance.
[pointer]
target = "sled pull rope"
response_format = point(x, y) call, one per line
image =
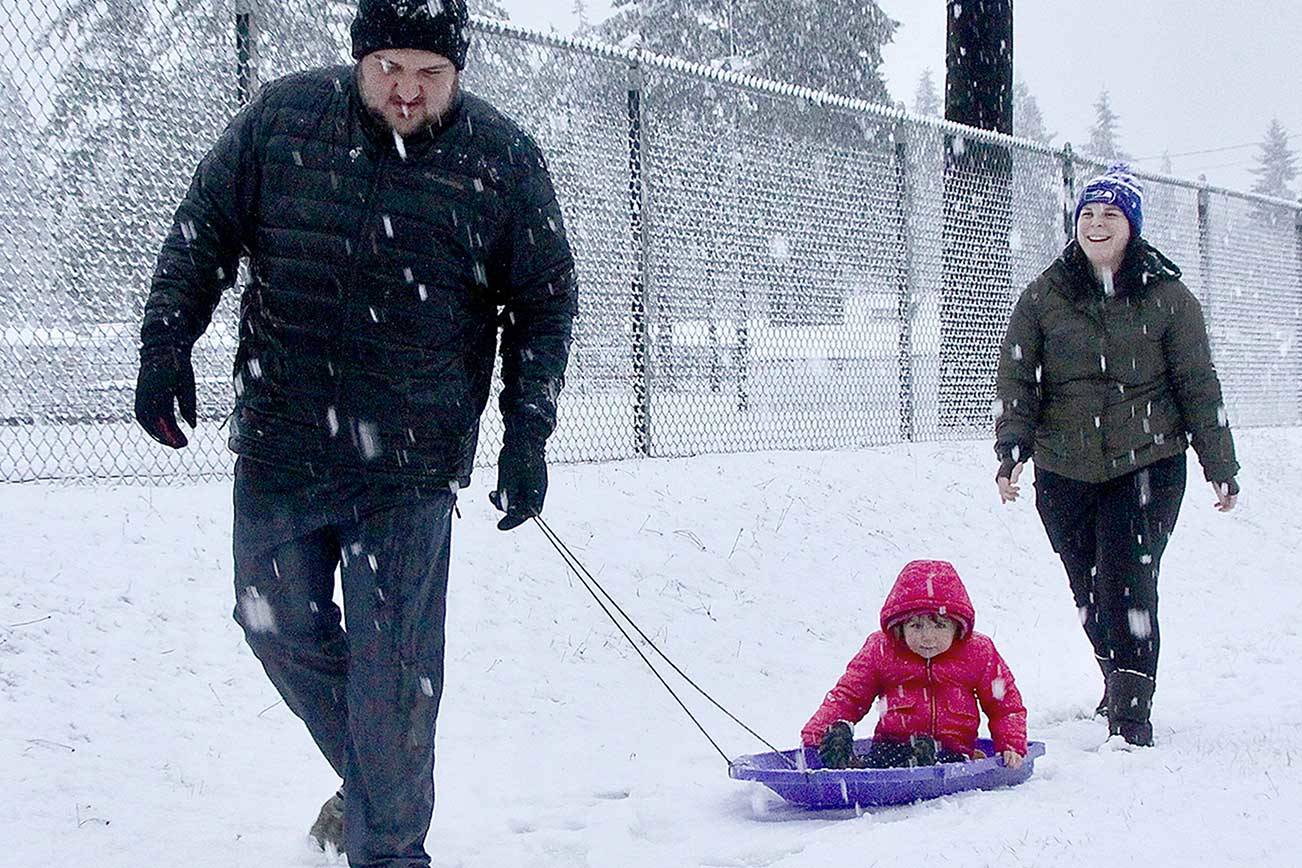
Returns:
point(590, 582)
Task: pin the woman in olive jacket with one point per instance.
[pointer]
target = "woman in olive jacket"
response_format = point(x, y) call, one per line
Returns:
point(1106, 377)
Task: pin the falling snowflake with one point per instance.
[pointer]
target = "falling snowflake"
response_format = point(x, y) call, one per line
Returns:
point(1141, 623)
point(255, 612)
point(779, 248)
point(368, 439)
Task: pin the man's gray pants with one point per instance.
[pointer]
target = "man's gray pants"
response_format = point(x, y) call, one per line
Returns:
point(370, 695)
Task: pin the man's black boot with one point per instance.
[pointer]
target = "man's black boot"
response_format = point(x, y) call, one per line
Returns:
point(328, 830)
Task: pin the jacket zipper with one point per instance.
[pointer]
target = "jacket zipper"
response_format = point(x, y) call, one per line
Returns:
point(931, 698)
point(346, 290)
point(360, 237)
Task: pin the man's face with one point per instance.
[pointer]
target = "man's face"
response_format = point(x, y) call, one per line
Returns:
point(409, 88)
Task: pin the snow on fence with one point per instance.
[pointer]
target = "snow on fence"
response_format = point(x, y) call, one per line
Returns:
point(762, 266)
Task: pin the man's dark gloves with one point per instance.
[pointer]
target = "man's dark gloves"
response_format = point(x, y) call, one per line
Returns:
point(837, 748)
point(521, 481)
point(166, 381)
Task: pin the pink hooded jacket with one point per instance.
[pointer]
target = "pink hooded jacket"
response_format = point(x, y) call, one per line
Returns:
point(939, 696)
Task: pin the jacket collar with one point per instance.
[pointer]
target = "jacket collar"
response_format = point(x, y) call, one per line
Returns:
point(1141, 265)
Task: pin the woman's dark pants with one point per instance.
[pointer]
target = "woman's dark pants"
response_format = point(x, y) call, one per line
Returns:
point(1110, 537)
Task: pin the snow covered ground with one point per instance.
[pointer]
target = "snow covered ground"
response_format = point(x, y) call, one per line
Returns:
point(137, 730)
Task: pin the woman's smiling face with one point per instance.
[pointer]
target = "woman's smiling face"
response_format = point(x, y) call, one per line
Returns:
point(1103, 232)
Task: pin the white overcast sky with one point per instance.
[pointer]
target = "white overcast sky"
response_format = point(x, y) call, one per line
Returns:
point(1184, 75)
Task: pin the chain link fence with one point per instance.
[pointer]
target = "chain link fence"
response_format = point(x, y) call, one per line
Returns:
point(761, 266)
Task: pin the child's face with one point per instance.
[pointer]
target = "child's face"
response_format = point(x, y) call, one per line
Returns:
point(929, 635)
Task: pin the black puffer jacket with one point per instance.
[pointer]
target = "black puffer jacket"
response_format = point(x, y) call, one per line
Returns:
point(379, 274)
point(1098, 385)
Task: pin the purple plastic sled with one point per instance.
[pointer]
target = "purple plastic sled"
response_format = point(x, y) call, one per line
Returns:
point(812, 786)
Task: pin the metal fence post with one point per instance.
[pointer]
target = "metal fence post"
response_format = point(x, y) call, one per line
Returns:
point(246, 52)
point(1068, 193)
point(1205, 248)
point(904, 280)
point(640, 294)
point(743, 349)
point(1297, 247)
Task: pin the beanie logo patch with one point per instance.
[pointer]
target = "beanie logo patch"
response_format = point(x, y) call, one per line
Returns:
point(1099, 194)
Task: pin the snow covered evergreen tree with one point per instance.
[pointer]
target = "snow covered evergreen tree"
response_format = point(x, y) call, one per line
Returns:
point(749, 145)
point(926, 99)
point(1104, 139)
point(1028, 121)
point(297, 34)
point(692, 29)
point(522, 79)
point(1275, 167)
point(1037, 222)
point(23, 206)
point(834, 45)
point(582, 24)
point(136, 89)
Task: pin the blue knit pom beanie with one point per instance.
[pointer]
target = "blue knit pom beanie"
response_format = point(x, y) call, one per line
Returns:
point(1116, 187)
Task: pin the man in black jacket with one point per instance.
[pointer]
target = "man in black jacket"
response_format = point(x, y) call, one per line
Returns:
point(391, 223)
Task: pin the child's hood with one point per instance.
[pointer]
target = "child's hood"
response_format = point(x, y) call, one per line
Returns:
point(929, 587)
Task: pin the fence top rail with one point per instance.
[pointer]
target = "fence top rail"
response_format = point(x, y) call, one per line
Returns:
point(1200, 186)
point(637, 56)
point(641, 57)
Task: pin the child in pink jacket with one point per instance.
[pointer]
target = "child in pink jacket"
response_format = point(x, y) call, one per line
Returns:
point(931, 670)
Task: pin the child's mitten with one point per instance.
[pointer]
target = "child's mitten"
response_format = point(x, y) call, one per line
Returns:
point(924, 750)
point(837, 748)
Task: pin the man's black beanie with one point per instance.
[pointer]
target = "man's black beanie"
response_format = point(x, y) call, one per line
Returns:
point(440, 26)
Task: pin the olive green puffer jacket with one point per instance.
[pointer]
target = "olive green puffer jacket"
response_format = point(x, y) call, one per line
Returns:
point(1097, 384)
